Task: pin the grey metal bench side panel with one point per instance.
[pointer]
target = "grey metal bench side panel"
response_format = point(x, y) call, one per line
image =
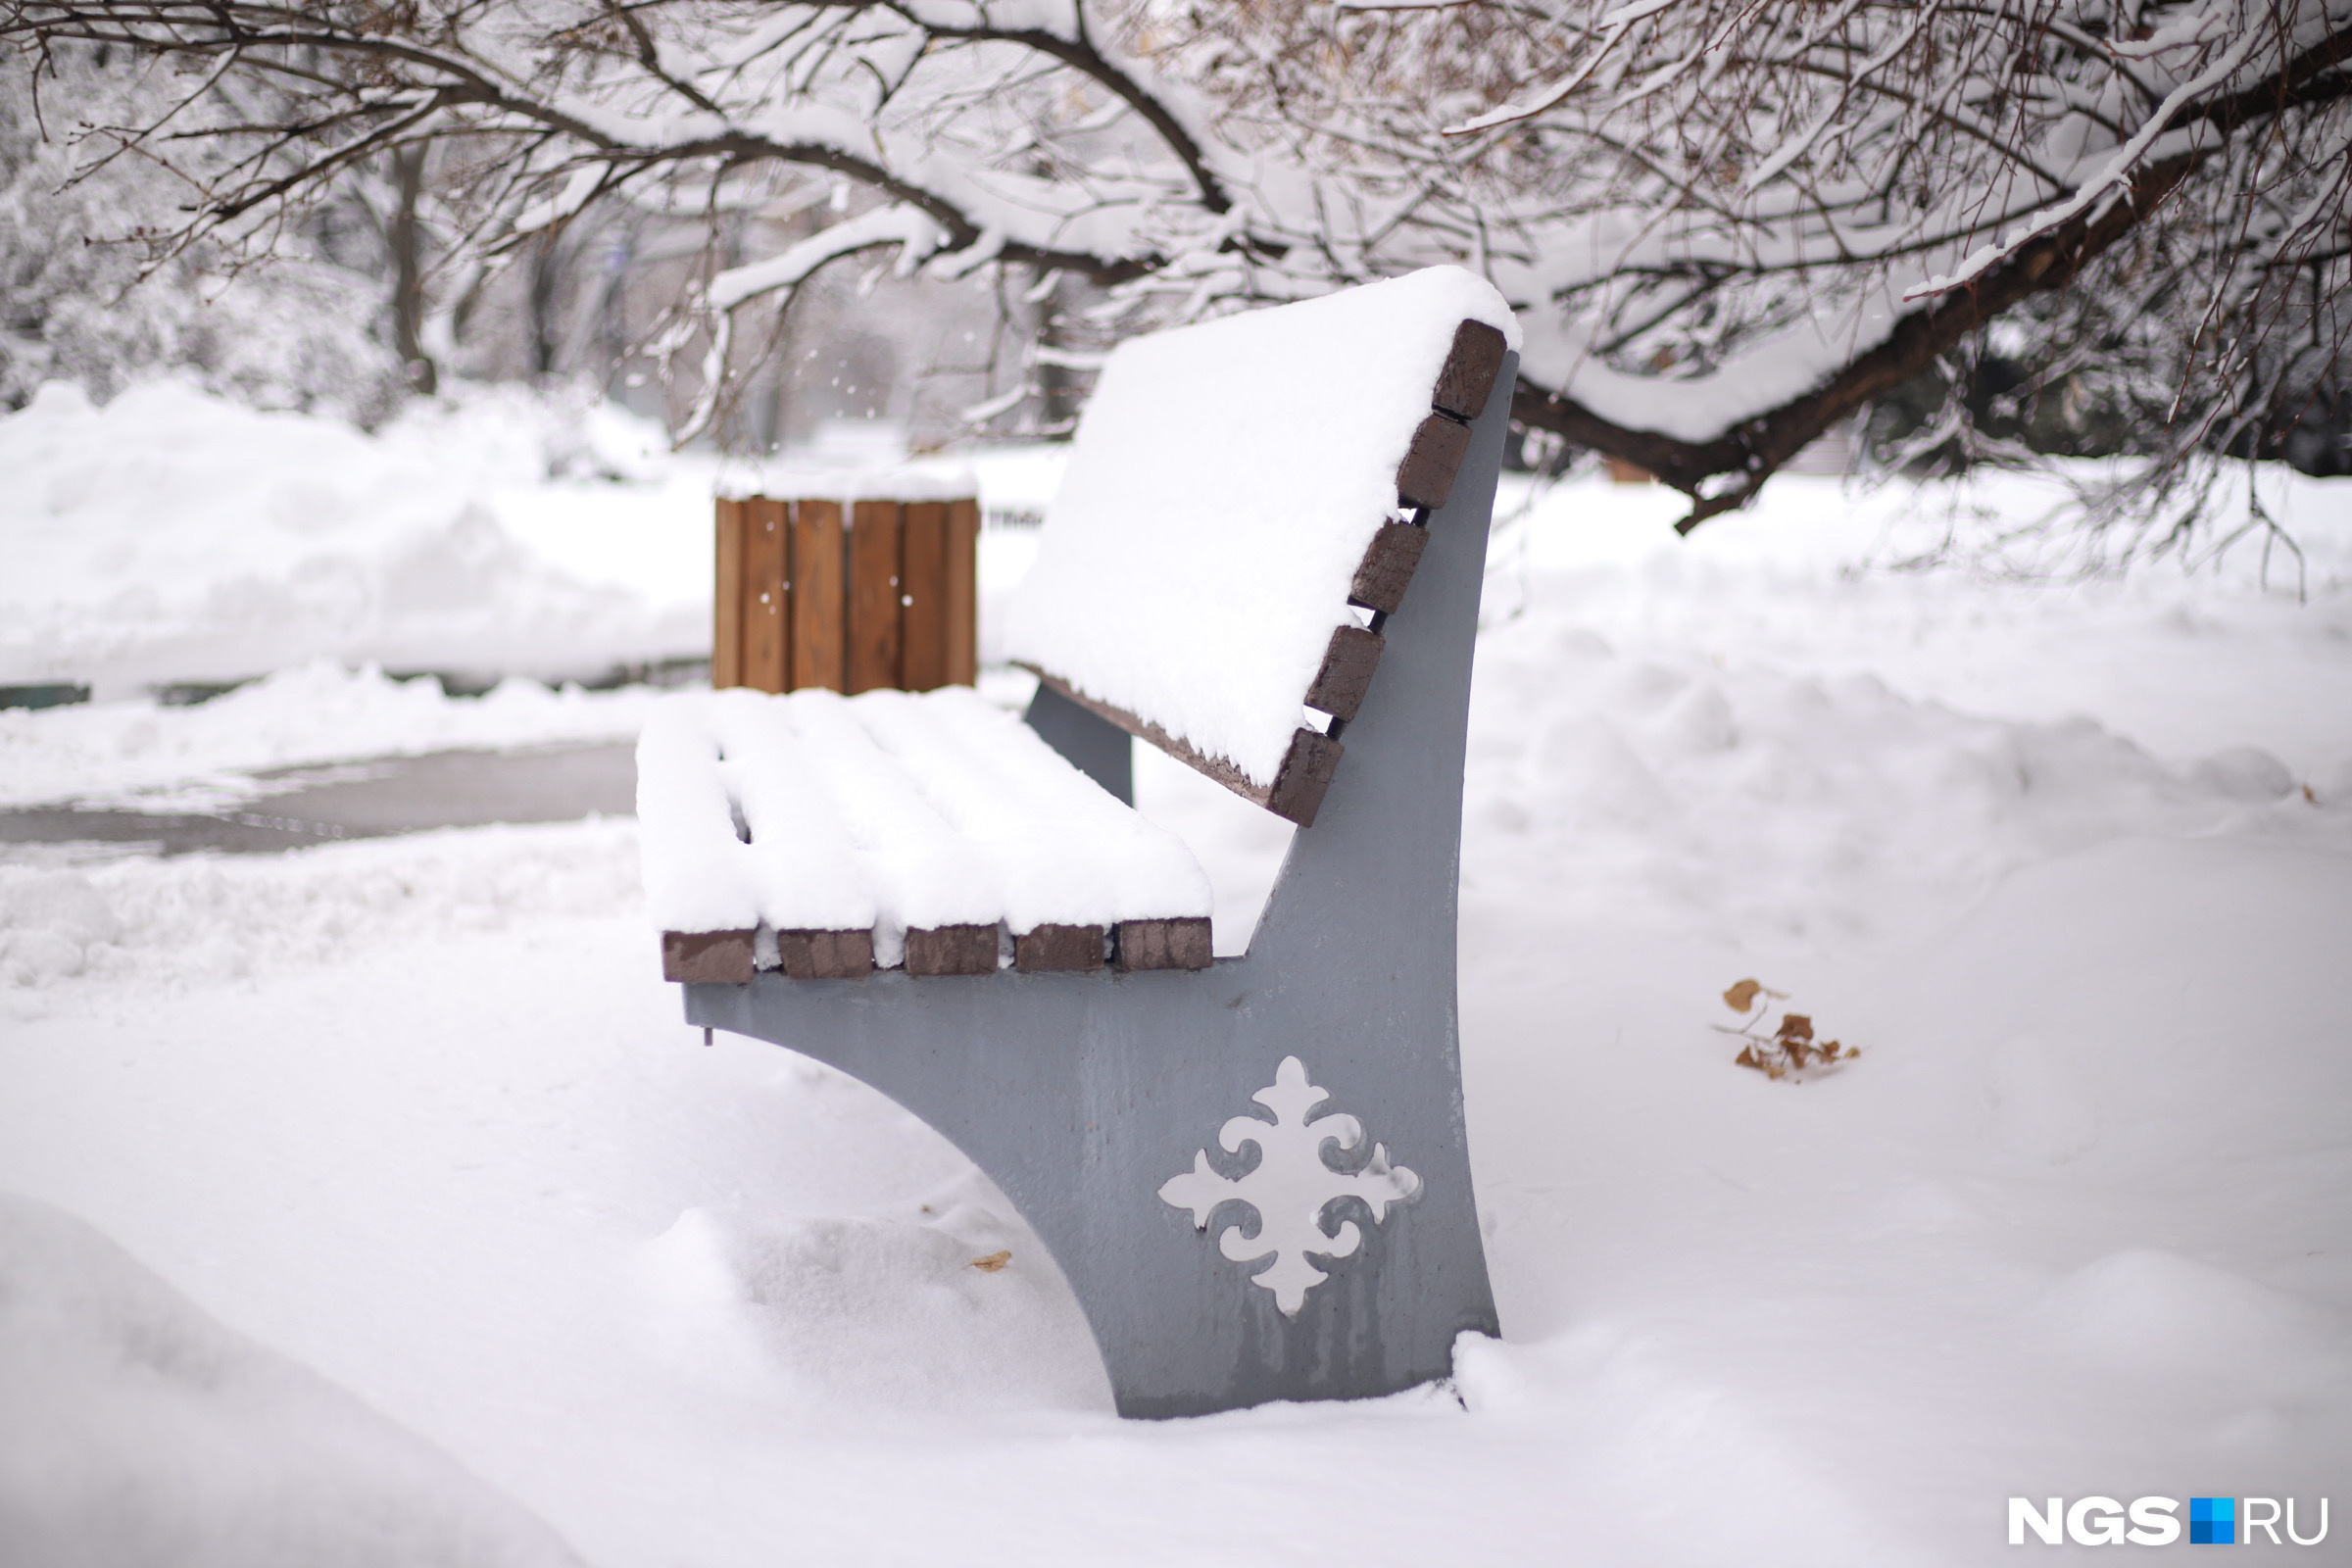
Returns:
point(1082, 1094)
point(1092, 744)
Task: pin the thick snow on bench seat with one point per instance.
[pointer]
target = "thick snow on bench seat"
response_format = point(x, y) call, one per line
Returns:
point(887, 811)
point(1226, 480)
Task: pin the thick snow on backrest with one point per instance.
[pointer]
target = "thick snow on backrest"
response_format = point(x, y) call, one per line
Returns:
point(1225, 483)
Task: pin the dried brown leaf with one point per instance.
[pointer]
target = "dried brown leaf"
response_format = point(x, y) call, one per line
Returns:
point(992, 1262)
point(1795, 1026)
point(1742, 995)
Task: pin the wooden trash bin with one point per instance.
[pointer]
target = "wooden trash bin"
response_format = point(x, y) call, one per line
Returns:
point(847, 595)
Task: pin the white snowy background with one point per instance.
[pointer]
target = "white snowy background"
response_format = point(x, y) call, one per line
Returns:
point(377, 1208)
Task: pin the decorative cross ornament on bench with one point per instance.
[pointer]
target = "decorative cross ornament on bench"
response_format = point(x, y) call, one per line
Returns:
point(1265, 559)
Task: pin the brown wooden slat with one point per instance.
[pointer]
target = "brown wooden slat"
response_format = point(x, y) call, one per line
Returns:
point(1180, 943)
point(765, 626)
point(962, 619)
point(1426, 476)
point(1059, 947)
point(818, 643)
point(953, 949)
point(923, 596)
point(726, 600)
point(826, 954)
point(1307, 772)
point(1470, 369)
point(707, 958)
point(1348, 660)
point(875, 595)
point(1297, 787)
point(1388, 568)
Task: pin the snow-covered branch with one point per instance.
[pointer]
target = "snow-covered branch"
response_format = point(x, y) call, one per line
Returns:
point(989, 120)
point(1738, 225)
point(1727, 225)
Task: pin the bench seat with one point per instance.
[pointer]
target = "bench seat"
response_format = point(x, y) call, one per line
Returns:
point(828, 836)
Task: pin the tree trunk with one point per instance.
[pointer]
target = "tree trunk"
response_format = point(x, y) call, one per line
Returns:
point(406, 241)
point(1056, 389)
point(547, 276)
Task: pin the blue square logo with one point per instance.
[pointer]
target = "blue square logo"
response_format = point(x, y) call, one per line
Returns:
point(2213, 1521)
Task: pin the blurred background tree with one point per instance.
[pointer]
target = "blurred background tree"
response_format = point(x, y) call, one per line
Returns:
point(1938, 234)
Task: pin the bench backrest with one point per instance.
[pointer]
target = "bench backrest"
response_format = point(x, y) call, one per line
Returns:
point(1240, 510)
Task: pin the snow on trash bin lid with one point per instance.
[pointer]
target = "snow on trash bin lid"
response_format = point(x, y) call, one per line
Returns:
point(1225, 483)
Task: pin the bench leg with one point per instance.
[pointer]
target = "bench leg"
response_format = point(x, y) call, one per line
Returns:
point(1097, 1102)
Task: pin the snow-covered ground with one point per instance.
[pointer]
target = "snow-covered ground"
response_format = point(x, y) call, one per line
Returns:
point(170, 536)
point(457, 1224)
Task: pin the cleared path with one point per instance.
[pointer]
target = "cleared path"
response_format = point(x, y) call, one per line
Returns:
point(371, 799)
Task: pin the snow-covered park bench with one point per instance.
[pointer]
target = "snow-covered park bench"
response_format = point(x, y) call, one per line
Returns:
point(1252, 1171)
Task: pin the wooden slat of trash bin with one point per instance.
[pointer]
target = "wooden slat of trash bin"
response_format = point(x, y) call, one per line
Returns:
point(818, 643)
point(923, 595)
point(765, 626)
point(726, 605)
point(963, 593)
point(873, 598)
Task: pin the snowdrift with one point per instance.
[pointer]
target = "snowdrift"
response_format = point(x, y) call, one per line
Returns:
point(139, 1430)
point(172, 536)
